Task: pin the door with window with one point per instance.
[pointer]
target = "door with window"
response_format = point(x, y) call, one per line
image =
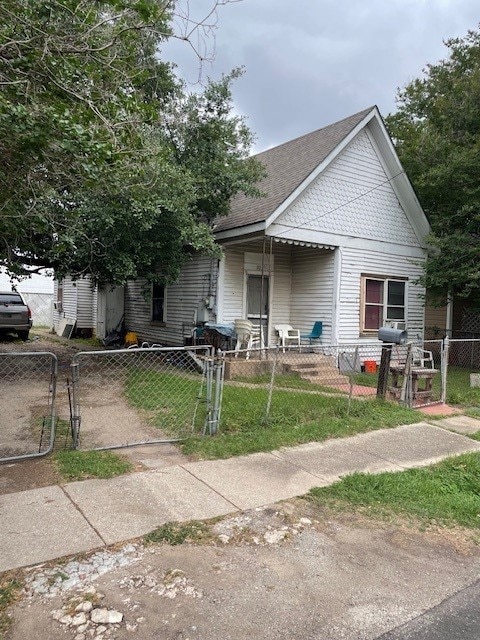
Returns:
point(258, 288)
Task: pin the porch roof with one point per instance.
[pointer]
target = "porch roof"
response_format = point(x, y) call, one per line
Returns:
point(301, 243)
point(287, 166)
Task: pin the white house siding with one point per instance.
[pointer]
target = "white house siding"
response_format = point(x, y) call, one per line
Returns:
point(234, 279)
point(197, 280)
point(85, 298)
point(312, 289)
point(234, 294)
point(352, 201)
point(69, 302)
point(356, 262)
point(77, 303)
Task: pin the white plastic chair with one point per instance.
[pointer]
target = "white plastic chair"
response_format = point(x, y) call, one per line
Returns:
point(243, 333)
point(248, 336)
point(420, 358)
point(287, 335)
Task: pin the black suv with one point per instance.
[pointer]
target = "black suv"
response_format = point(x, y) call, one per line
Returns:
point(15, 315)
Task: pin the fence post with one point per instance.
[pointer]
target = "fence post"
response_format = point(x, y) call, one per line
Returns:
point(383, 371)
point(208, 390)
point(218, 365)
point(75, 405)
point(272, 382)
point(444, 367)
point(406, 393)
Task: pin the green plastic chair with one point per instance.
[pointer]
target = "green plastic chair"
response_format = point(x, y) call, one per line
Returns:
point(315, 334)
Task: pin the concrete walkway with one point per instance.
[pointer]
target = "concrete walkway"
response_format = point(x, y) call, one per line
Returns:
point(48, 523)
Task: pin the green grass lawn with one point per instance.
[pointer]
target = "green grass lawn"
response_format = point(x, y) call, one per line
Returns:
point(459, 391)
point(289, 381)
point(294, 418)
point(446, 493)
point(81, 465)
point(169, 400)
point(172, 401)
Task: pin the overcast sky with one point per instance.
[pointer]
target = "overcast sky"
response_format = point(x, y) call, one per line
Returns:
point(309, 63)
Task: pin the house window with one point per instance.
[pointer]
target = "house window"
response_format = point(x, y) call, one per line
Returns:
point(159, 307)
point(383, 300)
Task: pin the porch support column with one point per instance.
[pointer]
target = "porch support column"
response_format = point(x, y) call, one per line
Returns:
point(337, 279)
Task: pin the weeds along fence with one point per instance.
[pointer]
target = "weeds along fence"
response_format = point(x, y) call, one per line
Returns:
point(141, 396)
point(27, 405)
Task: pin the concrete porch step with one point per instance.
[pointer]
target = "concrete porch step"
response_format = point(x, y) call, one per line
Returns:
point(318, 363)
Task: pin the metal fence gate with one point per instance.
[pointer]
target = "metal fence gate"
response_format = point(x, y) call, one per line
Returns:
point(27, 404)
point(140, 396)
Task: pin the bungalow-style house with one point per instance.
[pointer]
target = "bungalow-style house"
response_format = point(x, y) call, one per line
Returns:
point(337, 237)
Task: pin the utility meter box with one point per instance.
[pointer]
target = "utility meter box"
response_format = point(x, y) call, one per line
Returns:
point(394, 336)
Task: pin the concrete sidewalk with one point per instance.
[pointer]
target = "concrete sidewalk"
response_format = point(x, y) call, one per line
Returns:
point(48, 523)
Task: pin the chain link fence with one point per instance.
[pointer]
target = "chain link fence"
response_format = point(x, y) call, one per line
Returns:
point(297, 383)
point(118, 398)
point(27, 405)
point(463, 372)
point(273, 385)
point(140, 396)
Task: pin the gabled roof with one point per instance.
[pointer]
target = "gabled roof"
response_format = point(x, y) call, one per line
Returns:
point(287, 167)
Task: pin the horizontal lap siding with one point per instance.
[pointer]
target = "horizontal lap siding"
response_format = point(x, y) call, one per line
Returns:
point(312, 289)
point(69, 301)
point(355, 263)
point(182, 300)
point(85, 298)
point(234, 283)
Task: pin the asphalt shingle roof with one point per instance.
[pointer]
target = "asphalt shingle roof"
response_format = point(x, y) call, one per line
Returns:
point(287, 166)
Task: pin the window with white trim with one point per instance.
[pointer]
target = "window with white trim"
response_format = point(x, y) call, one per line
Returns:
point(384, 300)
point(159, 306)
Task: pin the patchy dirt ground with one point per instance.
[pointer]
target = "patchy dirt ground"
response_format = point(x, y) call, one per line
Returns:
point(290, 571)
point(107, 417)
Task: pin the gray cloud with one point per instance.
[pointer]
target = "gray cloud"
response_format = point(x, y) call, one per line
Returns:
point(311, 62)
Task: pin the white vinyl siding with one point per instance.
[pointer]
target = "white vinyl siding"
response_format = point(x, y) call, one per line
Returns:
point(235, 281)
point(301, 286)
point(78, 302)
point(355, 263)
point(85, 297)
point(198, 279)
point(312, 289)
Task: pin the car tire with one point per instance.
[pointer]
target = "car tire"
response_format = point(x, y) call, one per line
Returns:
point(23, 335)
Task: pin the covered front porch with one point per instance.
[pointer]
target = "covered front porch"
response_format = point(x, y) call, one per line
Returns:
point(272, 281)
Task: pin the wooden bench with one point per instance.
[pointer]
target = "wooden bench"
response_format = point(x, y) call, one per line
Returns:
point(422, 380)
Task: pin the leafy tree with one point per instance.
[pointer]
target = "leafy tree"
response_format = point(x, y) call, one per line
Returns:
point(437, 133)
point(109, 167)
